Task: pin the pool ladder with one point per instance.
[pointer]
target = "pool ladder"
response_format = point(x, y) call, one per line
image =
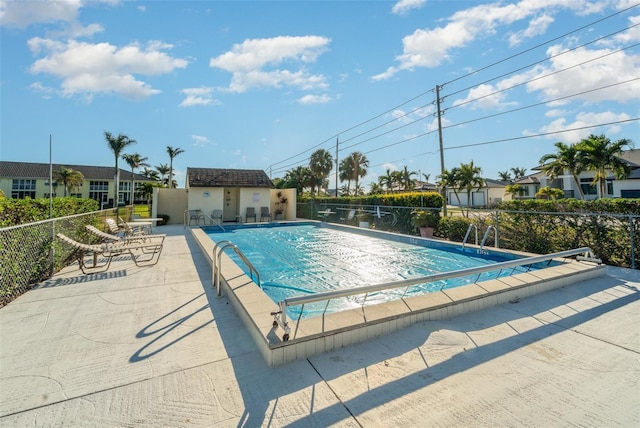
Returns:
point(220, 248)
point(484, 238)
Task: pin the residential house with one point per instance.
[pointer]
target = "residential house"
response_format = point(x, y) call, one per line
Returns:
point(491, 193)
point(29, 179)
point(628, 187)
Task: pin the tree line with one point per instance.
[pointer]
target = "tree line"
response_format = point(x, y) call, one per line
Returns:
point(595, 153)
point(162, 175)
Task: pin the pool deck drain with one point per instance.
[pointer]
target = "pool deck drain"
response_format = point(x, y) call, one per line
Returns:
point(154, 346)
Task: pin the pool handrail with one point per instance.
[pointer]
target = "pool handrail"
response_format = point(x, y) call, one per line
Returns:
point(281, 317)
point(220, 247)
point(486, 235)
point(466, 236)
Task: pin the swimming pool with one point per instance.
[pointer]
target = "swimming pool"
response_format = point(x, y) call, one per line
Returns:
point(305, 258)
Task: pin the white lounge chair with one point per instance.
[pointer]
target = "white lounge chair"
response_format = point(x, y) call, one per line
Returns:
point(111, 250)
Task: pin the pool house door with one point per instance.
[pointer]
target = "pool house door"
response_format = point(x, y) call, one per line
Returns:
point(231, 204)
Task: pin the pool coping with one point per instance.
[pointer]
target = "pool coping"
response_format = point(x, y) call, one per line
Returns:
point(336, 330)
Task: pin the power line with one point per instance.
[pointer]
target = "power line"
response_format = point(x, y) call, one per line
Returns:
point(540, 103)
point(539, 45)
point(543, 76)
point(542, 134)
point(330, 139)
point(541, 61)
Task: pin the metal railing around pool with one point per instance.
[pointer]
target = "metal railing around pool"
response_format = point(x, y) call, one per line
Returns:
point(218, 249)
point(280, 317)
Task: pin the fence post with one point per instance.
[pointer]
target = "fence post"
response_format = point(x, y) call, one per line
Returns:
point(631, 241)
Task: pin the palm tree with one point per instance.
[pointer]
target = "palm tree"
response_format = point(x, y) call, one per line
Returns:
point(468, 178)
point(135, 161)
point(172, 154)
point(68, 177)
point(345, 173)
point(320, 164)
point(151, 174)
point(518, 172)
point(408, 183)
point(375, 188)
point(359, 163)
point(163, 169)
point(298, 177)
point(504, 176)
point(599, 154)
point(566, 158)
point(117, 144)
point(448, 178)
point(387, 180)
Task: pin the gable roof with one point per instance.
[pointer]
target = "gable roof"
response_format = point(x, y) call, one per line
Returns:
point(222, 177)
point(41, 170)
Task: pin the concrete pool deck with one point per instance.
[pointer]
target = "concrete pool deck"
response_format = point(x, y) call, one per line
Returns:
point(153, 346)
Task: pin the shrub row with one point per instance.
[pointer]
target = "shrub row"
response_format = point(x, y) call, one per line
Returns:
point(22, 211)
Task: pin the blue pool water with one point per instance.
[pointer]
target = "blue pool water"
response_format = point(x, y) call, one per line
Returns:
point(295, 259)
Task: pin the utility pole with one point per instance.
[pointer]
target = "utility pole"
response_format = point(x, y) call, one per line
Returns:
point(442, 169)
point(337, 167)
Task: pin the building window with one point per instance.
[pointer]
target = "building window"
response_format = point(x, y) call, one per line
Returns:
point(48, 195)
point(124, 192)
point(609, 187)
point(587, 188)
point(99, 190)
point(22, 188)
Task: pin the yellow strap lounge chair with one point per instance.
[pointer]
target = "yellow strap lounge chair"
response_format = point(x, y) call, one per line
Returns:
point(107, 237)
point(100, 252)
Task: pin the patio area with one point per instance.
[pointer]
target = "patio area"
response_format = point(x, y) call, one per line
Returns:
point(153, 346)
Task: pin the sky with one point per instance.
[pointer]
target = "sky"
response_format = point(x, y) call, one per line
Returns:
point(263, 84)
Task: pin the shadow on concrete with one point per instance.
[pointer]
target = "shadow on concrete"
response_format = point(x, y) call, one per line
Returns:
point(82, 278)
point(158, 326)
point(263, 387)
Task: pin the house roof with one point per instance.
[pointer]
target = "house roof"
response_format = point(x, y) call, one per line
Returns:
point(41, 170)
point(489, 182)
point(529, 179)
point(221, 177)
point(632, 157)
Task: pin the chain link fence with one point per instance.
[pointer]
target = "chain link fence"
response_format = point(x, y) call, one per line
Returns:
point(30, 253)
point(615, 238)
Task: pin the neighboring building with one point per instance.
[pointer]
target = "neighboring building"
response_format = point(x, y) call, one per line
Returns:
point(233, 191)
point(20, 180)
point(626, 188)
point(494, 191)
point(491, 193)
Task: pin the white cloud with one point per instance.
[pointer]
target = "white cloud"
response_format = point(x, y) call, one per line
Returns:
point(89, 69)
point(583, 72)
point(484, 97)
point(21, 14)
point(583, 119)
point(315, 99)
point(252, 62)
point(200, 141)
point(574, 76)
point(536, 27)
point(198, 97)
point(403, 7)
point(432, 47)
